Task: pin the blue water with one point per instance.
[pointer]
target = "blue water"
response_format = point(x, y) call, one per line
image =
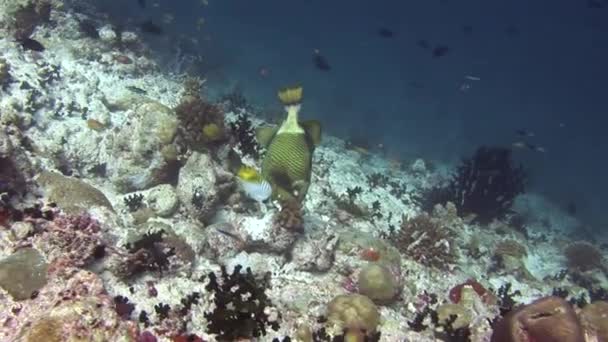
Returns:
point(542, 64)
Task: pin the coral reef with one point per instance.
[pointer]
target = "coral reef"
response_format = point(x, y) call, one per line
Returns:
point(133, 229)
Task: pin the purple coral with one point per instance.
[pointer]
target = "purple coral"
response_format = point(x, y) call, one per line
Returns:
point(72, 240)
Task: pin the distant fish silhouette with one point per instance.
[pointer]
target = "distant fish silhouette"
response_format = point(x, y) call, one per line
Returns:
point(416, 84)
point(320, 61)
point(141, 3)
point(467, 29)
point(596, 4)
point(386, 32)
point(422, 43)
point(440, 51)
point(524, 133)
point(512, 31)
point(31, 44)
point(149, 26)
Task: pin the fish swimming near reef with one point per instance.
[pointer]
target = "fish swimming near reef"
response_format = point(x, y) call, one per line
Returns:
point(289, 148)
point(440, 51)
point(149, 26)
point(253, 184)
point(386, 32)
point(137, 90)
point(528, 146)
point(524, 133)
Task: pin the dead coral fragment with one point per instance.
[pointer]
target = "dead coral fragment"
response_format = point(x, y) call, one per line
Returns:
point(583, 256)
point(427, 240)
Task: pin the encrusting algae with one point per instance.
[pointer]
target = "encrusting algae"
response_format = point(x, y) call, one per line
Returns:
point(288, 160)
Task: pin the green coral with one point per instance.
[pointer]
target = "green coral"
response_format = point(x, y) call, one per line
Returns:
point(353, 312)
point(378, 283)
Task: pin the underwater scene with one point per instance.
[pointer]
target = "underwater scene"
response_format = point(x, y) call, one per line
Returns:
point(281, 171)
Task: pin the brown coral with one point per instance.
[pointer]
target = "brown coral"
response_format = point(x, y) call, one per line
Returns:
point(583, 256)
point(289, 217)
point(26, 18)
point(548, 319)
point(427, 240)
point(510, 248)
point(195, 117)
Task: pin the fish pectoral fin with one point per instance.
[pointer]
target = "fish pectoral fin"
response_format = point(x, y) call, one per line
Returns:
point(313, 129)
point(265, 134)
point(300, 188)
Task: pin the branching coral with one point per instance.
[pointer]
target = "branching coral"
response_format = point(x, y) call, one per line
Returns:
point(426, 239)
point(242, 309)
point(484, 185)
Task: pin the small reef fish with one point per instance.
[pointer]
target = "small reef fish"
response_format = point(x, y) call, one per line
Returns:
point(168, 18)
point(31, 44)
point(137, 90)
point(253, 185)
point(149, 26)
point(386, 32)
point(467, 29)
point(200, 23)
point(424, 44)
point(525, 133)
point(287, 164)
point(472, 78)
point(320, 61)
point(528, 146)
point(440, 51)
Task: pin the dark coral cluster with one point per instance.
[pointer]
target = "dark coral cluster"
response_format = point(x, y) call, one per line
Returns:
point(484, 185)
point(241, 306)
point(244, 134)
point(150, 253)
